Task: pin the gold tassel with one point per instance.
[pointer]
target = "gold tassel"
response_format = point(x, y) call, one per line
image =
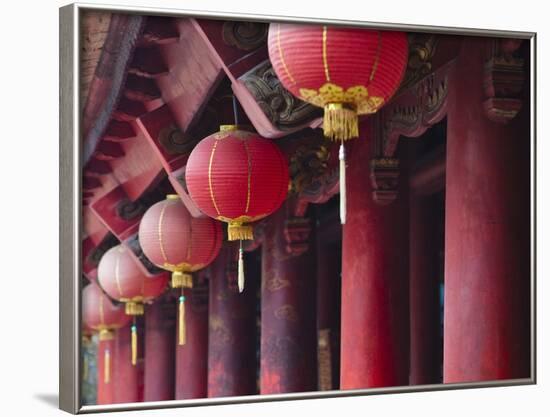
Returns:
point(340, 121)
point(181, 323)
point(132, 308)
point(240, 279)
point(342, 157)
point(106, 366)
point(239, 231)
point(134, 344)
point(182, 279)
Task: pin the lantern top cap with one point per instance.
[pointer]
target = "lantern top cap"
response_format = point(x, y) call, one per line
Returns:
point(172, 197)
point(229, 128)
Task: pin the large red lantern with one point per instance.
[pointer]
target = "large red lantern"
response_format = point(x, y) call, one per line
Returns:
point(237, 177)
point(175, 241)
point(347, 71)
point(101, 315)
point(122, 279)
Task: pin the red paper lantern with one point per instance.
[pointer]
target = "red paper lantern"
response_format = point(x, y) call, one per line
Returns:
point(101, 315)
point(122, 279)
point(347, 71)
point(174, 240)
point(237, 177)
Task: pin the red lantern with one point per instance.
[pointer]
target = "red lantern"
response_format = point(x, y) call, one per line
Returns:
point(237, 177)
point(175, 241)
point(122, 279)
point(347, 71)
point(101, 315)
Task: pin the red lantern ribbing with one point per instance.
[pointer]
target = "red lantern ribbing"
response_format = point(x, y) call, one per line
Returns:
point(237, 177)
point(123, 280)
point(347, 71)
point(101, 315)
point(175, 241)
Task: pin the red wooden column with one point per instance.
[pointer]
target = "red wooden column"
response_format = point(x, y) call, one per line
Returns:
point(105, 386)
point(231, 340)
point(192, 358)
point(375, 309)
point(487, 280)
point(288, 324)
point(126, 377)
point(159, 361)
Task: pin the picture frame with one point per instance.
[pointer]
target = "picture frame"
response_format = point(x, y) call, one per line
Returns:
point(71, 224)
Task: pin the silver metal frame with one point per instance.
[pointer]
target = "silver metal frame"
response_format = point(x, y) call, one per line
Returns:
point(70, 220)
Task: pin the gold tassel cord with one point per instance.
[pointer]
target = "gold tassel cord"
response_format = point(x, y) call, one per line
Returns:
point(342, 158)
point(240, 279)
point(134, 344)
point(182, 279)
point(106, 366)
point(239, 231)
point(340, 121)
point(181, 320)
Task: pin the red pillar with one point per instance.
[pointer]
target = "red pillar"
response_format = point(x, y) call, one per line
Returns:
point(375, 308)
point(159, 361)
point(487, 322)
point(288, 328)
point(192, 358)
point(231, 340)
point(105, 386)
point(126, 377)
point(424, 293)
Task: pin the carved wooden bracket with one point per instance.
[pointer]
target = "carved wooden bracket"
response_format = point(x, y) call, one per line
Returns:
point(314, 173)
point(422, 48)
point(296, 232)
point(246, 36)
point(384, 177)
point(284, 111)
point(504, 80)
point(415, 111)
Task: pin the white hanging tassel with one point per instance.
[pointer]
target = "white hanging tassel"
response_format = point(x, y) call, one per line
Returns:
point(342, 157)
point(240, 279)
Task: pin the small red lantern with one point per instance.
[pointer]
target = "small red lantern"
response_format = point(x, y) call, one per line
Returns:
point(347, 71)
point(122, 279)
point(175, 241)
point(101, 315)
point(237, 177)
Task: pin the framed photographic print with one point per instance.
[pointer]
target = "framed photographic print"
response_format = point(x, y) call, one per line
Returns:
point(258, 208)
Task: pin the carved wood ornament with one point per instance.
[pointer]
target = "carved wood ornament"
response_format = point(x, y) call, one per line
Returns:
point(504, 79)
point(246, 36)
point(283, 110)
